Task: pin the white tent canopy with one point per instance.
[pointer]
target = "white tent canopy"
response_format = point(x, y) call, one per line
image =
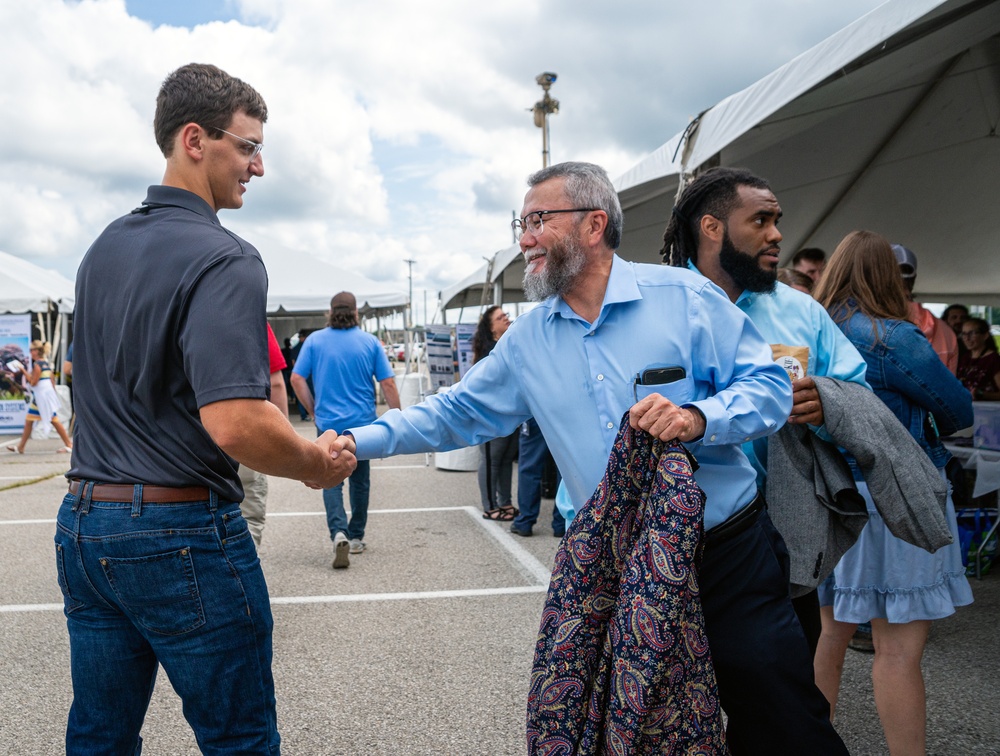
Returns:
point(298, 282)
point(889, 125)
point(505, 272)
point(26, 287)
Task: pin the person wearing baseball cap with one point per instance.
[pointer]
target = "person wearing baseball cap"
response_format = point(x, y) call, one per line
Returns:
point(939, 333)
point(342, 359)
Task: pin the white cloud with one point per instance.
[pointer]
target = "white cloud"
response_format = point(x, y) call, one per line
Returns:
point(396, 130)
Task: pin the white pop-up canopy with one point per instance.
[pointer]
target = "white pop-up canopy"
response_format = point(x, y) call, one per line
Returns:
point(26, 287)
point(501, 276)
point(299, 283)
point(888, 125)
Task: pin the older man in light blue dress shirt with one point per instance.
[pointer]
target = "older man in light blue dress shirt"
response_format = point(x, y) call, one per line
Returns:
point(667, 347)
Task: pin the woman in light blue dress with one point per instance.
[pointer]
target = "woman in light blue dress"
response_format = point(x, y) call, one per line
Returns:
point(899, 587)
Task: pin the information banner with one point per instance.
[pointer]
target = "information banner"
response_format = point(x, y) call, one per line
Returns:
point(440, 358)
point(464, 333)
point(15, 336)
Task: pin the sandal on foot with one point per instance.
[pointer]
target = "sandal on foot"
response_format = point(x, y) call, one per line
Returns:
point(498, 515)
point(13, 448)
point(65, 450)
point(511, 510)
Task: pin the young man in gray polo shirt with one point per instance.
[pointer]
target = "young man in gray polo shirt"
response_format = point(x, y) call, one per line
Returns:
point(171, 380)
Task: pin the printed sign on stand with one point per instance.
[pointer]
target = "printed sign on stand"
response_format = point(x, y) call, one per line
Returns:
point(440, 359)
point(15, 338)
point(464, 333)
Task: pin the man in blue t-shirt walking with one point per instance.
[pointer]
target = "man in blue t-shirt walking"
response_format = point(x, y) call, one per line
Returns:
point(342, 360)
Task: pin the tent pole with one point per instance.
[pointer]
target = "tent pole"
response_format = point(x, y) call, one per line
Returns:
point(946, 71)
point(65, 347)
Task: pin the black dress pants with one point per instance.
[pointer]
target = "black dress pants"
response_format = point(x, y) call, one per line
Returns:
point(761, 657)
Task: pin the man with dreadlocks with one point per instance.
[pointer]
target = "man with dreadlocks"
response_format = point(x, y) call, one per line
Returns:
point(665, 346)
point(725, 226)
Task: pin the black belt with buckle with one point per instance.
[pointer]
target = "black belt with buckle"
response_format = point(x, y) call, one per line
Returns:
point(737, 523)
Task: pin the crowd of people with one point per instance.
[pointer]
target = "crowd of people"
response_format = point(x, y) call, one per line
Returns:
point(709, 351)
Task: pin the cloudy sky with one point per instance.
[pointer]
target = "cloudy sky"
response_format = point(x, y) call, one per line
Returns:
point(397, 129)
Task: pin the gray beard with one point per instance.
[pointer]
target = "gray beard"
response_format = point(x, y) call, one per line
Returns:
point(564, 261)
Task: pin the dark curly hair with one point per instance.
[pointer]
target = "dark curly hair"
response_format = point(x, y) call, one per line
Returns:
point(483, 342)
point(715, 192)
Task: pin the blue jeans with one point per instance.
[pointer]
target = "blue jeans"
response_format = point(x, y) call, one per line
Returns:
point(333, 500)
point(176, 584)
point(530, 463)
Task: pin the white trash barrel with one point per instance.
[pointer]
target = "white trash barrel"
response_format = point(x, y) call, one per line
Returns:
point(410, 386)
point(462, 460)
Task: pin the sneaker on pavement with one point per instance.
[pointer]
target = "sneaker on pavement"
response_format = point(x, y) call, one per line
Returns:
point(523, 532)
point(357, 545)
point(341, 549)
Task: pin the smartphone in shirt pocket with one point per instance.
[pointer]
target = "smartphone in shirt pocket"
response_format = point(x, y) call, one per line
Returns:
point(669, 381)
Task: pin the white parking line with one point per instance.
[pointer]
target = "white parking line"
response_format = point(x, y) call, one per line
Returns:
point(27, 522)
point(406, 510)
point(524, 561)
point(316, 513)
point(339, 599)
point(415, 595)
point(11, 608)
point(529, 565)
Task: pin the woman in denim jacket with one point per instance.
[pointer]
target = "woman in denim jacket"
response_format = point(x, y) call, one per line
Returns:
point(900, 588)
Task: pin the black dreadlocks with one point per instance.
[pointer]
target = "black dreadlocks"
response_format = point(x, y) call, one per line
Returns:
point(715, 192)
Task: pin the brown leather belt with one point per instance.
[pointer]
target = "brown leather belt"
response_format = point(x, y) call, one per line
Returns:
point(123, 492)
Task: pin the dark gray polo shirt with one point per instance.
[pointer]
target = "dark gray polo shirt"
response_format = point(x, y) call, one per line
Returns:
point(170, 316)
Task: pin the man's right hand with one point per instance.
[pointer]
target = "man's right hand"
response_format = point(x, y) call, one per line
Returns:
point(340, 462)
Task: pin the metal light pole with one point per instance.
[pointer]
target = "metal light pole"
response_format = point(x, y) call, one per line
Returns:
point(410, 263)
point(543, 109)
point(408, 325)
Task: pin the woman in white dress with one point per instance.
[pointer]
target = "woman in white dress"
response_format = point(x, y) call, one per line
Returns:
point(44, 399)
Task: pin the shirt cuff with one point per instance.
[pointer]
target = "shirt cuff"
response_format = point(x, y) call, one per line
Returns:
point(370, 440)
point(716, 420)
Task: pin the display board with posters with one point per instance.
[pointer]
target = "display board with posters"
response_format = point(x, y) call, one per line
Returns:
point(440, 358)
point(464, 333)
point(15, 338)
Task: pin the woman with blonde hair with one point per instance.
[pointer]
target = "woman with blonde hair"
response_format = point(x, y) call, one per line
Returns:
point(899, 587)
point(44, 400)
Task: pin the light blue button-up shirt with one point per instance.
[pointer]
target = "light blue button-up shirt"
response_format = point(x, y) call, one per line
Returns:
point(794, 319)
point(577, 380)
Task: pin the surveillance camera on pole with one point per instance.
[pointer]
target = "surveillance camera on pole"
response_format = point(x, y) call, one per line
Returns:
point(543, 109)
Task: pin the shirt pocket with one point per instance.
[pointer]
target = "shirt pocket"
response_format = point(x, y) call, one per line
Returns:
point(679, 392)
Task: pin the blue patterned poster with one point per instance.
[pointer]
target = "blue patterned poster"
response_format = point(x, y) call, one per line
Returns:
point(15, 336)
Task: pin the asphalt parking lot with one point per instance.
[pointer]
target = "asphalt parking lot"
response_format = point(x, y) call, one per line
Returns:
point(422, 646)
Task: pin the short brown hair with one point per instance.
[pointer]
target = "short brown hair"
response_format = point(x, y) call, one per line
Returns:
point(203, 94)
point(792, 277)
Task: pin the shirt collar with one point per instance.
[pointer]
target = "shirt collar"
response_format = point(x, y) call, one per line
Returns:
point(622, 287)
point(744, 300)
point(172, 196)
